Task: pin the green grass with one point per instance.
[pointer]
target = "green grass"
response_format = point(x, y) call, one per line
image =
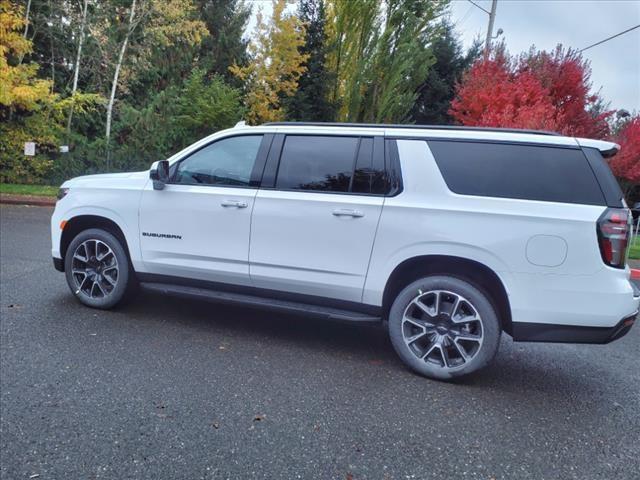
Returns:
point(38, 190)
point(634, 251)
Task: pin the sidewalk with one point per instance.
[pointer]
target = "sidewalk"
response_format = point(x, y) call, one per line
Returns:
point(35, 200)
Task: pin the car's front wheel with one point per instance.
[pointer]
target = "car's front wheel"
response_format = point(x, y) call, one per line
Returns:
point(97, 269)
point(444, 327)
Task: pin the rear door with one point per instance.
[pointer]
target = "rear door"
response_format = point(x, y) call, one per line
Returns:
point(316, 214)
point(198, 226)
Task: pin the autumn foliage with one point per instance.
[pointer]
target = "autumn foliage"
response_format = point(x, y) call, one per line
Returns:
point(538, 90)
point(626, 164)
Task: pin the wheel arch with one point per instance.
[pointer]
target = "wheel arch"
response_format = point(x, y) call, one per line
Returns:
point(80, 223)
point(481, 276)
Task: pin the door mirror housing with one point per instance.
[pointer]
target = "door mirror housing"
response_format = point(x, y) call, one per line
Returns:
point(159, 173)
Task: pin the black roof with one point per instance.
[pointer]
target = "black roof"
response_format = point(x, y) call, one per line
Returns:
point(420, 127)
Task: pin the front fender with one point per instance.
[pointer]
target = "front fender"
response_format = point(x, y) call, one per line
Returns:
point(120, 207)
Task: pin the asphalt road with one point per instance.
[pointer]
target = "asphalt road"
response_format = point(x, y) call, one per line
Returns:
point(167, 388)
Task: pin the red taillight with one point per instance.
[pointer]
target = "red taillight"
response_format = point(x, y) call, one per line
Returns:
point(613, 236)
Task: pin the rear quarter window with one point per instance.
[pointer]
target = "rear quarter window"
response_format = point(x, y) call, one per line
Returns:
point(527, 172)
point(610, 186)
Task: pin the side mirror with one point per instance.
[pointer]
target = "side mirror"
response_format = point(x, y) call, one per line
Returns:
point(159, 173)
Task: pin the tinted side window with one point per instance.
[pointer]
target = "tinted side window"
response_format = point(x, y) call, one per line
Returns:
point(317, 163)
point(517, 171)
point(610, 186)
point(227, 162)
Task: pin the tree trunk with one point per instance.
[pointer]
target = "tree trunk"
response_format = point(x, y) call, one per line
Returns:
point(26, 19)
point(53, 60)
point(114, 84)
point(26, 28)
point(76, 70)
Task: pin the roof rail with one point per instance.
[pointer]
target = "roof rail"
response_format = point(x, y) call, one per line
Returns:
point(417, 127)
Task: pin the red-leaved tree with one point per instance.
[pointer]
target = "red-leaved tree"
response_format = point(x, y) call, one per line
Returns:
point(626, 164)
point(538, 90)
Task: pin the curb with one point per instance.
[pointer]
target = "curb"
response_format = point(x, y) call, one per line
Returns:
point(635, 274)
point(28, 200)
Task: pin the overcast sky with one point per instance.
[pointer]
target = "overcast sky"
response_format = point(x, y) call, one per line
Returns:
point(615, 64)
point(545, 23)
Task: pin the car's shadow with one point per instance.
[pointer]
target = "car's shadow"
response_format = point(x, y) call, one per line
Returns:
point(259, 324)
point(515, 371)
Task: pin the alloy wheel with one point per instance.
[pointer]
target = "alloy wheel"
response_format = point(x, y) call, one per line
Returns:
point(443, 329)
point(94, 269)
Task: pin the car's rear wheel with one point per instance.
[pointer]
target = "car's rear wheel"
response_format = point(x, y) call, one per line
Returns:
point(444, 327)
point(97, 269)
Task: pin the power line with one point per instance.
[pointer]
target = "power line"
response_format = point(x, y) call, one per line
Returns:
point(484, 10)
point(607, 39)
point(464, 17)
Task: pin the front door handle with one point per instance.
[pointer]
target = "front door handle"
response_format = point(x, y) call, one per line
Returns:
point(234, 203)
point(347, 212)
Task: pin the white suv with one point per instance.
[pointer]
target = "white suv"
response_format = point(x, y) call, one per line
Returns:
point(453, 235)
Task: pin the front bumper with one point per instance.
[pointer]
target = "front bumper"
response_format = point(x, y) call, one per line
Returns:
point(541, 332)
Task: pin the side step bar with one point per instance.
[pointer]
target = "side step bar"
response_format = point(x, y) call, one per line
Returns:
point(317, 311)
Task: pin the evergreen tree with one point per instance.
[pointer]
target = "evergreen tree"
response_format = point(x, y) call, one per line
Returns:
point(225, 45)
point(437, 91)
point(311, 100)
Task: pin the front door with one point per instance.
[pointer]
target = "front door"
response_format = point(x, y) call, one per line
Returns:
point(198, 225)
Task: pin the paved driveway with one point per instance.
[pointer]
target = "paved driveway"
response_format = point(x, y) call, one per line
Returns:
point(166, 388)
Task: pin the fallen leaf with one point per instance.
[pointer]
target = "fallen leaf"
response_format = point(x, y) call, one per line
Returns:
point(258, 418)
point(215, 425)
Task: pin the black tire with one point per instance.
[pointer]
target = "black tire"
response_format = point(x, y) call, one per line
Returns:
point(457, 339)
point(100, 272)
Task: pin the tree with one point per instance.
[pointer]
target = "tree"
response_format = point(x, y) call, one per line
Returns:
point(311, 100)
point(437, 90)
point(131, 26)
point(538, 90)
point(224, 46)
point(404, 57)
point(76, 67)
point(353, 31)
point(381, 55)
point(175, 118)
point(626, 164)
point(29, 111)
point(20, 89)
point(166, 21)
point(275, 67)
point(142, 52)
point(566, 76)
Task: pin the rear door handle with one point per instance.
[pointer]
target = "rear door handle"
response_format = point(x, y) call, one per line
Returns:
point(234, 203)
point(347, 212)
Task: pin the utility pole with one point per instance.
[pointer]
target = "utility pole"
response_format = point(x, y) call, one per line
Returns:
point(492, 17)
